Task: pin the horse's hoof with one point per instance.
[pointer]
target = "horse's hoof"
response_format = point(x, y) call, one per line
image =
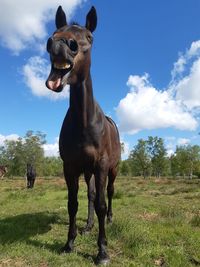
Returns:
point(86, 230)
point(102, 259)
point(66, 249)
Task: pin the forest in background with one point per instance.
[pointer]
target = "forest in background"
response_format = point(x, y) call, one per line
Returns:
point(15, 154)
point(147, 158)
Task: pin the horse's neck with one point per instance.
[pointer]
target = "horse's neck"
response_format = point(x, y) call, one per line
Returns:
point(82, 103)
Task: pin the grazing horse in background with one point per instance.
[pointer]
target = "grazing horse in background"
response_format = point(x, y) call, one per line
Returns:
point(3, 170)
point(89, 141)
point(31, 175)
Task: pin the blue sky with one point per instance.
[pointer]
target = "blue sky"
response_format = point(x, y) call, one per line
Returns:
point(145, 68)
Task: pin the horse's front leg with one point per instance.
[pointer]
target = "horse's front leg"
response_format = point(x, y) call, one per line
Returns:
point(28, 183)
point(89, 178)
point(101, 209)
point(72, 185)
point(32, 183)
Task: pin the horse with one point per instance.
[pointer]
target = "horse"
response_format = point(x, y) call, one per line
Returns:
point(89, 141)
point(31, 175)
point(3, 170)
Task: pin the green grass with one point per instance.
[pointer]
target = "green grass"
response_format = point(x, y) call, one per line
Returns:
point(156, 223)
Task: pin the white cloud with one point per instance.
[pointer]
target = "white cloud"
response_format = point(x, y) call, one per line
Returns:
point(145, 107)
point(188, 89)
point(180, 64)
point(35, 73)
point(172, 142)
point(183, 141)
point(23, 23)
point(170, 145)
point(51, 150)
point(186, 77)
point(170, 152)
point(3, 138)
point(194, 49)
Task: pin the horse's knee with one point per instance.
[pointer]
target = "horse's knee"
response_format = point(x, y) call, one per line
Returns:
point(110, 190)
point(72, 204)
point(100, 207)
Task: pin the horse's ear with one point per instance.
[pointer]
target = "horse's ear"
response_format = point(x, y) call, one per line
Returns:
point(91, 19)
point(60, 18)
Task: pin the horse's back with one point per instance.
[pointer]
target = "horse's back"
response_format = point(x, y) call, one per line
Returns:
point(114, 142)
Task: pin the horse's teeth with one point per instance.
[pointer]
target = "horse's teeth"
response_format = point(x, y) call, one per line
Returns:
point(62, 66)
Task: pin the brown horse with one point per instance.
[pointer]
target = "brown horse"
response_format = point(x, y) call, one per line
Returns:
point(89, 141)
point(3, 170)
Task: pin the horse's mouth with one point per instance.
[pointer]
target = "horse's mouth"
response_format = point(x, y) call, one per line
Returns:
point(59, 75)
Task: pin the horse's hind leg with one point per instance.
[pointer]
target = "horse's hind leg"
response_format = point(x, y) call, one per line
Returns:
point(110, 191)
point(89, 178)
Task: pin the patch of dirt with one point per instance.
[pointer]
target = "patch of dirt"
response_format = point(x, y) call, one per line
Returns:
point(17, 262)
point(160, 262)
point(148, 216)
point(163, 181)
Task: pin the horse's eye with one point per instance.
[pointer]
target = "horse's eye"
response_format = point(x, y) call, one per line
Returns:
point(90, 39)
point(73, 45)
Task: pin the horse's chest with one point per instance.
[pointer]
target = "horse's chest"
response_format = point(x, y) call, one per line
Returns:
point(79, 145)
point(89, 152)
point(78, 150)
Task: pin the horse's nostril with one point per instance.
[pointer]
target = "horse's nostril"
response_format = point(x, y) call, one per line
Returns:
point(49, 44)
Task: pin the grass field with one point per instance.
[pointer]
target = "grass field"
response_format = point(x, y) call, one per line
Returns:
point(156, 223)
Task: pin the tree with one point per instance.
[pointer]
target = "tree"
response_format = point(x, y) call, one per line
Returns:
point(33, 150)
point(13, 156)
point(141, 159)
point(174, 165)
point(52, 166)
point(16, 154)
point(124, 167)
point(157, 154)
point(193, 158)
point(186, 160)
point(122, 147)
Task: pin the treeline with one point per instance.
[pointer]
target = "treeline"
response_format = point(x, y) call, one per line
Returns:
point(149, 158)
point(15, 154)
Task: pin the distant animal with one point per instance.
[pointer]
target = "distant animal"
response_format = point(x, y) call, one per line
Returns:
point(3, 170)
point(31, 175)
point(89, 141)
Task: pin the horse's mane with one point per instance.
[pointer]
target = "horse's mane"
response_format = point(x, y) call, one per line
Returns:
point(75, 23)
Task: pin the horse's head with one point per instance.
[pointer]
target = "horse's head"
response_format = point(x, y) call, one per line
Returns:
point(69, 49)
